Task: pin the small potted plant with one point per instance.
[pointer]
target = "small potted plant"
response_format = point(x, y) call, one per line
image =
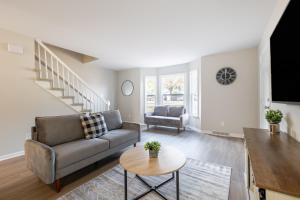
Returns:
point(153, 148)
point(274, 117)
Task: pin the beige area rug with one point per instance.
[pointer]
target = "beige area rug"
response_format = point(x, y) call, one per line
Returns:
point(198, 181)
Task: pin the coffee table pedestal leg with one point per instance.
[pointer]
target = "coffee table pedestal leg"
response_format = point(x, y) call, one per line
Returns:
point(125, 184)
point(177, 185)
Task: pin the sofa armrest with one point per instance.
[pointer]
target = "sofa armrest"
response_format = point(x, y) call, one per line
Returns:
point(34, 135)
point(133, 126)
point(148, 114)
point(184, 119)
point(40, 159)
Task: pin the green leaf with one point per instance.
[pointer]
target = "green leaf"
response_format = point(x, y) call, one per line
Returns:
point(273, 116)
point(152, 146)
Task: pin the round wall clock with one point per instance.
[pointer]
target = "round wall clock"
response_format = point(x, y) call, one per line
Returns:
point(226, 76)
point(127, 88)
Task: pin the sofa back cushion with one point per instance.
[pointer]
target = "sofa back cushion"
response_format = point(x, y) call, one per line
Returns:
point(112, 119)
point(161, 110)
point(58, 129)
point(176, 111)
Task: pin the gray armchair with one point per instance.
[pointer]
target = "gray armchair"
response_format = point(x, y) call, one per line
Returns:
point(172, 116)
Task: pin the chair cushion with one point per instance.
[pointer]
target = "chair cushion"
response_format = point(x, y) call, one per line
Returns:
point(72, 152)
point(176, 111)
point(120, 136)
point(161, 110)
point(112, 119)
point(93, 125)
point(58, 129)
point(163, 121)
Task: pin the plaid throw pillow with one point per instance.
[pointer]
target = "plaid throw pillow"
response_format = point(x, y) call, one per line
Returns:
point(93, 125)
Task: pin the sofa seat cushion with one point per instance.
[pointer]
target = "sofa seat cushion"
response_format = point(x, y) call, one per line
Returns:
point(162, 120)
point(72, 152)
point(120, 136)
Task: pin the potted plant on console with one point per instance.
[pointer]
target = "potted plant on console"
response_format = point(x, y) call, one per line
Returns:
point(274, 117)
point(153, 148)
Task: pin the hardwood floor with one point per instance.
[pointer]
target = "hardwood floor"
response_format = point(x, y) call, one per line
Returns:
point(17, 182)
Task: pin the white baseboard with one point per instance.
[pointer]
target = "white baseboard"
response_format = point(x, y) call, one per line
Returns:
point(194, 129)
point(246, 187)
point(11, 155)
point(234, 135)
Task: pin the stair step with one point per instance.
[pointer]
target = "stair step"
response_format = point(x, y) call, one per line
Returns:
point(68, 97)
point(57, 89)
point(77, 104)
point(68, 101)
point(86, 110)
point(44, 84)
point(44, 79)
point(78, 108)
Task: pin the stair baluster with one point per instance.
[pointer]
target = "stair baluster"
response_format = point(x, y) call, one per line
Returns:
point(40, 64)
point(77, 91)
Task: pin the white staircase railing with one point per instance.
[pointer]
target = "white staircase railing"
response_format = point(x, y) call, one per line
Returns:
point(53, 69)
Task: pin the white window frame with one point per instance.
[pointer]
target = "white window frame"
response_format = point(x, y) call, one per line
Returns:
point(145, 92)
point(160, 101)
point(191, 94)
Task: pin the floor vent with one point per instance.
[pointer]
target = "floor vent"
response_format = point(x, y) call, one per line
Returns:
point(220, 133)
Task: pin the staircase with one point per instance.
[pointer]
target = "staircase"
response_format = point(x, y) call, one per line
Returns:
point(58, 79)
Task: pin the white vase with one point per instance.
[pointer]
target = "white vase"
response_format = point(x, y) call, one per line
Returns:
point(153, 154)
point(274, 128)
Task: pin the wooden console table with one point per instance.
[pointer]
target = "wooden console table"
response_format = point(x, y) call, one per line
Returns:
point(272, 167)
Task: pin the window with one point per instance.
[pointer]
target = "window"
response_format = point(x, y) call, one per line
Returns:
point(194, 93)
point(172, 89)
point(150, 93)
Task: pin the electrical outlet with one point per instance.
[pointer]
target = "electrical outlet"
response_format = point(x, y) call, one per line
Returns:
point(15, 48)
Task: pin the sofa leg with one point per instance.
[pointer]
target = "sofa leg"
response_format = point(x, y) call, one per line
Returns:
point(148, 127)
point(57, 185)
point(134, 145)
point(183, 128)
point(178, 130)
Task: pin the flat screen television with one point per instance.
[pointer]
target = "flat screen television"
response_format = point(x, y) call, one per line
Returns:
point(285, 56)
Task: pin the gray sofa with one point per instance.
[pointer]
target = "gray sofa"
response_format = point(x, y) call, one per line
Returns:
point(58, 146)
point(172, 116)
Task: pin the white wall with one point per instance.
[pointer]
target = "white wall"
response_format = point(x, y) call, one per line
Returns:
point(235, 105)
point(291, 122)
point(130, 106)
point(195, 122)
point(21, 99)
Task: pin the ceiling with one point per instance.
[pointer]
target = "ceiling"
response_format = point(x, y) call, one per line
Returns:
point(140, 33)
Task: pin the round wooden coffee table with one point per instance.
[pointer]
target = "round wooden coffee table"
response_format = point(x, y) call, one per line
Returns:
point(137, 161)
